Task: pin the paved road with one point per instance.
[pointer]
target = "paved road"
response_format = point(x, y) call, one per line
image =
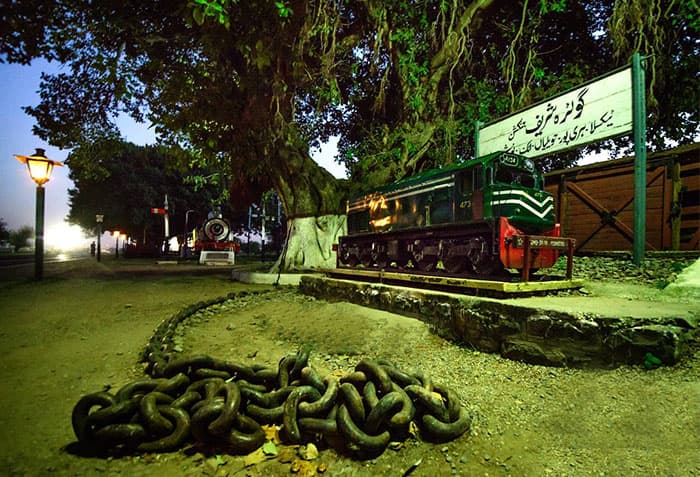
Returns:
point(22, 265)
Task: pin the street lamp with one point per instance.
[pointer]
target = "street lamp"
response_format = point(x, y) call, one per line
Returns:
point(99, 218)
point(40, 168)
point(115, 234)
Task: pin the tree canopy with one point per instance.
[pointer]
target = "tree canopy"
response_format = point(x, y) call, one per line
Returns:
point(246, 87)
point(123, 182)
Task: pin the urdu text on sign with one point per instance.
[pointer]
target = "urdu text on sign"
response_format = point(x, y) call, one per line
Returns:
point(598, 110)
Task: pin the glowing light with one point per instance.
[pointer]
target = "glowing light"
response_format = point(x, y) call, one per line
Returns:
point(380, 223)
point(66, 237)
point(379, 206)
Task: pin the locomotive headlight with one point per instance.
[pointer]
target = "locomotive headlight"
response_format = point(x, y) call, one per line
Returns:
point(529, 165)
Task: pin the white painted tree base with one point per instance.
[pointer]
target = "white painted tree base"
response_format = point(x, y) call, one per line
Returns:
point(310, 243)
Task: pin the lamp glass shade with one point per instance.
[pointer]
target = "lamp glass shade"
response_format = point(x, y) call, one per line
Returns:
point(40, 166)
point(39, 169)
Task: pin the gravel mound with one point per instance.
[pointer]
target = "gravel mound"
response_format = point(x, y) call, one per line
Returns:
point(655, 272)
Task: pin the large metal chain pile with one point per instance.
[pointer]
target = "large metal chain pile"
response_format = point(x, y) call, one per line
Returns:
point(224, 404)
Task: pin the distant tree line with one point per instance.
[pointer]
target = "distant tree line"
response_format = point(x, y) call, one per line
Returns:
point(123, 182)
point(18, 238)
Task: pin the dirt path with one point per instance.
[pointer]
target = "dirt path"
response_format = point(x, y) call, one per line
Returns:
point(65, 337)
point(71, 335)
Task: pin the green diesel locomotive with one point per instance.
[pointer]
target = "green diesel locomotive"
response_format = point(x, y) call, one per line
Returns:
point(477, 217)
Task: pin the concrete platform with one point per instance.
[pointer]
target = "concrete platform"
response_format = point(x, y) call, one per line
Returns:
point(602, 330)
point(246, 276)
point(470, 286)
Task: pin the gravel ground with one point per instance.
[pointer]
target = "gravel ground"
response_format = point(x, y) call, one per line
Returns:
point(654, 272)
point(526, 419)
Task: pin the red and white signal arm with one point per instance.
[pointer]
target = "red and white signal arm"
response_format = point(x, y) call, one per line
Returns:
point(156, 210)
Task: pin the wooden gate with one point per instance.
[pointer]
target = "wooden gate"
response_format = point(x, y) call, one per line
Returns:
point(595, 203)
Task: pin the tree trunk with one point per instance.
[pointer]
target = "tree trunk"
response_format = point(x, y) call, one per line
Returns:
point(313, 201)
point(310, 242)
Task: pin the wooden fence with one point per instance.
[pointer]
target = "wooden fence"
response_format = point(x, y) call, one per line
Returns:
point(595, 203)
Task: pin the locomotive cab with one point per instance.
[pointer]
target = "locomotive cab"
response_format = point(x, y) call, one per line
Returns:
point(516, 191)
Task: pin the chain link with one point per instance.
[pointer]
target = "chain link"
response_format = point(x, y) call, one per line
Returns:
point(223, 404)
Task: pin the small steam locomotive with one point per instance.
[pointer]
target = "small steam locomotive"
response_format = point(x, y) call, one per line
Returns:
point(475, 218)
point(215, 235)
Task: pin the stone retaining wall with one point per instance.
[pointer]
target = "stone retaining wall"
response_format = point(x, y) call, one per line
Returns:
point(536, 336)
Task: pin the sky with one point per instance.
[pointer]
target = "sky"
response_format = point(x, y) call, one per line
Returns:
point(19, 86)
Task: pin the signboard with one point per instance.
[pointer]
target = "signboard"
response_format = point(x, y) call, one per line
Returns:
point(595, 111)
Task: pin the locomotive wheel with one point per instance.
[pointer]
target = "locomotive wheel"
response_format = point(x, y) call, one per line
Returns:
point(482, 263)
point(349, 259)
point(424, 263)
point(381, 259)
point(348, 256)
point(403, 258)
point(491, 267)
point(427, 263)
point(366, 257)
point(344, 255)
point(454, 263)
point(379, 256)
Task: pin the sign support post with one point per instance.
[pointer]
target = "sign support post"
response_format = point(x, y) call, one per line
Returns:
point(477, 127)
point(640, 158)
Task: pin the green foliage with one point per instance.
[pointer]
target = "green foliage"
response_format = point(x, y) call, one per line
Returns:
point(244, 88)
point(284, 10)
point(688, 14)
point(677, 267)
point(20, 237)
point(651, 362)
point(557, 6)
point(214, 9)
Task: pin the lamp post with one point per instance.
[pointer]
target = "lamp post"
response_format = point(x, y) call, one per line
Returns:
point(40, 168)
point(99, 218)
point(115, 234)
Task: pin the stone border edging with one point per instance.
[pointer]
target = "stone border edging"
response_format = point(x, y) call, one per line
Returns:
point(532, 335)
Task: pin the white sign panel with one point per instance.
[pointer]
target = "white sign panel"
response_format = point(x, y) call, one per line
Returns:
point(593, 112)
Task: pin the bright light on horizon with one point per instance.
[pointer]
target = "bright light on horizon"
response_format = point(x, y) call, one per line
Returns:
point(65, 237)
